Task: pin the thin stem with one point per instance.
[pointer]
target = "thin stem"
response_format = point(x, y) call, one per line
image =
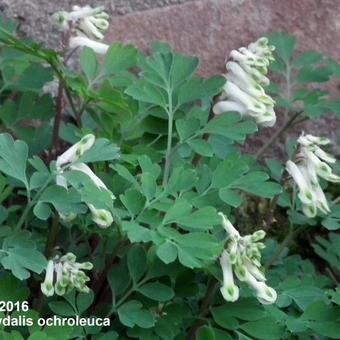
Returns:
point(31, 204)
point(281, 248)
point(52, 236)
point(204, 309)
point(169, 142)
point(58, 116)
point(286, 125)
point(289, 237)
point(337, 200)
point(288, 122)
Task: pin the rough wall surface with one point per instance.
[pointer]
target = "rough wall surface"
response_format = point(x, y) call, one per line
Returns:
point(211, 28)
point(34, 15)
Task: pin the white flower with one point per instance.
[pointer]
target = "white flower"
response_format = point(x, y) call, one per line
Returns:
point(101, 217)
point(243, 257)
point(69, 161)
point(229, 290)
point(245, 78)
point(87, 26)
point(95, 179)
point(47, 286)
point(306, 193)
point(265, 294)
point(72, 154)
point(64, 274)
point(98, 47)
point(228, 227)
point(312, 163)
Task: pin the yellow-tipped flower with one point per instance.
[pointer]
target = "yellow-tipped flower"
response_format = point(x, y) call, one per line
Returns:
point(243, 91)
point(242, 256)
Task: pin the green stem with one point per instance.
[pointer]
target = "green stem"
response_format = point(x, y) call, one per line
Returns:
point(286, 125)
point(31, 204)
point(204, 309)
point(169, 142)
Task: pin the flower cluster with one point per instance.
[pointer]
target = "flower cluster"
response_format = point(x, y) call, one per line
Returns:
point(69, 161)
point(88, 24)
point(242, 256)
point(311, 163)
point(246, 75)
point(63, 274)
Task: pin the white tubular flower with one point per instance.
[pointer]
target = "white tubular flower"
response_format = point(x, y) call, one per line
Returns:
point(306, 193)
point(101, 217)
point(47, 287)
point(51, 88)
point(313, 162)
point(68, 275)
point(87, 26)
point(229, 290)
point(228, 227)
point(98, 47)
point(245, 78)
point(228, 105)
point(68, 161)
point(72, 154)
point(242, 257)
point(265, 294)
point(95, 179)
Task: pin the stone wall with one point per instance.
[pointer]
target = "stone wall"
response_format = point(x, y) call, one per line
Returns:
point(34, 15)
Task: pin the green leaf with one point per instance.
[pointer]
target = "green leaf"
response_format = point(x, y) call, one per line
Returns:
point(179, 209)
point(119, 279)
point(84, 301)
point(230, 197)
point(13, 158)
point(182, 68)
point(167, 252)
point(62, 308)
point(284, 45)
point(199, 89)
point(12, 289)
point(89, 63)
point(65, 201)
point(228, 171)
point(263, 329)
point(33, 78)
point(102, 150)
point(305, 295)
point(310, 74)
point(307, 58)
point(204, 218)
point(20, 260)
point(328, 329)
point(205, 333)
point(133, 201)
point(256, 183)
point(136, 233)
point(148, 93)
point(136, 260)
point(132, 314)
point(156, 291)
point(119, 58)
point(231, 126)
point(332, 221)
point(148, 185)
point(201, 147)
point(187, 127)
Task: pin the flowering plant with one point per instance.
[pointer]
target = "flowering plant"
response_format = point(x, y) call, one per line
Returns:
point(128, 195)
